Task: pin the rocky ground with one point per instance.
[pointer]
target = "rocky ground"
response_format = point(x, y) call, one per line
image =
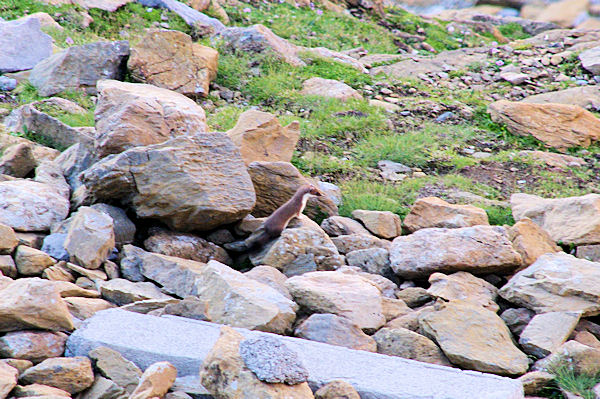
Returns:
point(458, 155)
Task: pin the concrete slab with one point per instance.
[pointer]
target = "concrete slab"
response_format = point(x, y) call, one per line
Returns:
point(184, 342)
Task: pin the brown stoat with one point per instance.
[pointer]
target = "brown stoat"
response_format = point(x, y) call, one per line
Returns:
point(278, 221)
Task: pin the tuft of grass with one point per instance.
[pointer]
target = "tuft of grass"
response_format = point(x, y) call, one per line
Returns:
point(498, 215)
point(567, 379)
point(74, 120)
point(318, 164)
point(38, 138)
point(224, 118)
point(513, 31)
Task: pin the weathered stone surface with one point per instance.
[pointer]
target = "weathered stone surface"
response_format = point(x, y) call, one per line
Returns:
point(17, 160)
point(371, 260)
point(563, 13)
point(337, 390)
point(67, 289)
point(556, 282)
point(192, 17)
point(477, 249)
point(557, 125)
point(103, 388)
point(383, 224)
point(31, 261)
point(531, 241)
point(7, 266)
point(30, 206)
point(341, 294)
point(133, 114)
point(414, 296)
point(335, 330)
point(8, 239)
point(90, 238)
point(190, 307)
point(383, 284)
point(464, 286)
point(121, 291)
point(589, 252)
point(354, 242)
point(84, 308)
point(329, 88)
point(272, 361)
point(156, 381)
point(169, 59)
point(516, 319)
point(22, 45)
point(19, 364)
point(80, 67)
point(189, 182)
point(572, 220)
point(260, 137)
point(409, 345)
point(474, 338)
point(8, 379)
point(547, 331)
point(583, 96)
point(32, 345)
point(112, 365)
point(186, 246)
point(33, 303)
point(58, 272)
point(340, 225)
point(270, 276)
point(276, 182)
point(534, 381)
point(91, 274)
point(123, 227)
point(435, 212)
point(36, 390)
point(590, 60)
point(54, 246)
point(72, 374)
point(580, 358)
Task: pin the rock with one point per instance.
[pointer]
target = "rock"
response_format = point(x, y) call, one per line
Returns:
point(54, 246)
point(156, 381)
point(270, 276)
point(80, 67)
point(514, 78)
point(35, 390)
point(7, 84)
point(386, 287)
point(465, 287)
point(553, 159)
point(17, 160)
point(177, 395)
point(30, 206)
point(329, 88)
point(276, 182)
point(84, 308)
point(371, 260)
point(354, 242)
point(186, 246)
point(132, 114)
point(531, 241)
point(390, 107)
point(581, 359)
point(123, 227)
point(331, 190)
point(335, 330)
point(435, 212)
point(540, 288)
point(169, 59)
point(20, 364)
point(337, 389)
point(547, 331)
point(587, 338)
point(477, 249)
point(8, 379)
point(474, 338)
point(33, 303)
point(564, 13)
point(121, 291)
point(340, 225)
point(517, 319)
point(90, 238)
point(190, 307)
point(23, 45)
point(409, 345)
point(414, 296)
point(8, 239)
point(341, 294)
point(534, 381)
point(7, 266)
point(32, 345)
point(260, 137)
point(106, 5)
point(191, 17)
point(103, 388)
point(112, 365)
point(584, 96)
point(189, 182)
point(383, 224)
point(572, 220)
point(91, 274)
point(72, 374)
point(560, 126)
point(67, 289)
point(589, 252)
point(31, 261)
point(271, 361)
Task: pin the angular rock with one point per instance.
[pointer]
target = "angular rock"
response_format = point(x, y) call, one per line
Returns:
point(477, 249)
point(560, 126)
point(383, 224)
point(156, 381)
point(80, 67)
point(103, 388)
point(260, 137)
point(534, 381)
point(8, 379)
point(54, 246)
point(186, 246)
point(337, 389)
point(191, 17)
point(272, 361)
point(22, 45)
point(329, 88)
point(17, 160)
point(121, 291)
point(371, 260)
point(190, 307)
point(7, 266)
point(414, 296)
point(516, 319)
point(90, 238)
point(123, 227)
point(581, 359)
point(572, 220)
point(36, 390)
point(531, 241)
point(91, 274)
point(132, 114)
point(341, 294)
point(464, 286)
point(384, 285)
point(112, 365)
point(31, 261)
point(32, 345)
point(553, 159)
point(589, 252)
point(409, 345)
point(71, 374)
point(8, 239)
point(84, 308)
point(583, 96)
point(435, 212)
point(354, 242)
point(169, 59)
point(270, 276)
point(335, 330)
point(67, 289)
point(340, 225)
point(474, 338)
point(547, 331)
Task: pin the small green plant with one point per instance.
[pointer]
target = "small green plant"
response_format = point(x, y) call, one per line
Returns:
point(498, 215)
point(513, 31)
point(567, 379)
point(38, 138)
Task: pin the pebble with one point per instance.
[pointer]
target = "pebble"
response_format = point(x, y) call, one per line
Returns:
point(7, 84)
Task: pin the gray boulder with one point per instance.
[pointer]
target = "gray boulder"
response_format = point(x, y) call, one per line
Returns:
point(272, 361)
point(22, 45)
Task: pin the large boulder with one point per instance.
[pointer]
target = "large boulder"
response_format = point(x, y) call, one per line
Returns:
point(572, 220)
point(260, 137)
point(134, 114)
point(560, 126)
point(22, 45)
point(80, 67)
point(169, 59)
point(474, 338)
point(190, 182)
point(477, 250)
point(435, 212)
point(90, 237)
point(556, 282)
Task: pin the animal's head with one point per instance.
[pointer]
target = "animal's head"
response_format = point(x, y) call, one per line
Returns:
point(311, 190)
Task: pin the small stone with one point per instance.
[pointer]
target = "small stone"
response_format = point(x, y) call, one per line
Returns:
point(414, 296)
point(103, 388)
point(409, 345)
point(35, 390)
point(54, 245)
point(517, 319)
point(121, 291)
point(335, 330)
point(8, 379)
point(84, 308)
point(112, 365)
point(7, 84)
point(90, 238)
point(383, 224)
point(155, 381)
point(7, 266)
point(32, 345)
point(72, 374)
point(271, 361)
point(31, 261)
point(535, 381)
point(337, 389)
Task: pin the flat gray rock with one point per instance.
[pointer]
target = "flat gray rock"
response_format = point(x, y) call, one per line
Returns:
point(272, 361)
point(147, 339)
point(22, 45)
point(187, 13)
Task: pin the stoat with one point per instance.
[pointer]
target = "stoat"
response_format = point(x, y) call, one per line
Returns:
point(278, 221)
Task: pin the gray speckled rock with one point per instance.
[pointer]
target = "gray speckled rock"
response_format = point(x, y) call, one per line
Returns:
point(272, 361)
point(22, 45)
point(590, 60)
point(123, 227)
point(54, 245)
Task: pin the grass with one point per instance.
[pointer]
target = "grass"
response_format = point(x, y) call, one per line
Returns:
point(579, 384)
point(74, 120)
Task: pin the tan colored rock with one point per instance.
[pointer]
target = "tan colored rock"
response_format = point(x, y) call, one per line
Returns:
point(122, 292)
point(553, 159)
point(587, 338)
point(35, 346)
point(8, 379)
point(103, 388)
point(342, 294)
point(335, 330)
point(572, 220)
point(17, 160)
point(84, 308)
point(355, 242)
point(337, 389)
point(329, 88)
point(156, 381)
point(477, 250)
point(8, 239)
point(31, 261)
point(409, 345)
point(583, 96)
point(383, 224)
point(91, 274)
point(260, 137)
point(58, 272)
point(564, 13)
point(589, 252)
point(474, 338)
point(270, 276)
point(394, 308)
point(414, 296)
point(531, 241)
point(19, 364)
point(465, 287)
point(132, 114)
point(559, 126)
point(67, 289)
point(186, 246)
point(435, 212)
point(386, 287)
point(35, 390)
point(90, 238)
point(46, 21)
point(72, 374)
point(7, 266)
point(534, 381)
point(580, 358)
point(547, 331)
point(112, 365)
point(340, 225)
point(169, 59)
point(224, 374)
point(276, 182)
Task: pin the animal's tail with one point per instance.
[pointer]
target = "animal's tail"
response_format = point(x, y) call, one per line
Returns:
point(256, 240)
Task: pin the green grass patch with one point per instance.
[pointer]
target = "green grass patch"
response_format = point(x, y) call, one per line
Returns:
point(567, 379)
point(513, 31)
point(498, 215)
point(314, 163)
point(38, 138)
point(74, 120)
point(223, 118)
